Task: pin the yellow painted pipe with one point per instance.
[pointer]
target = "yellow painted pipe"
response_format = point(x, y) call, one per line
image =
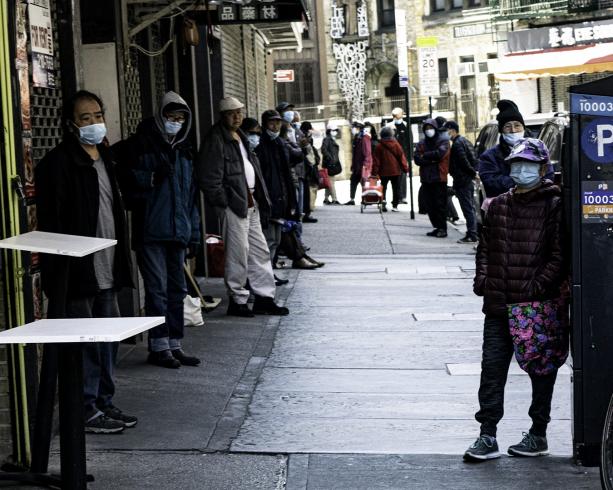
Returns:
point(12, 228)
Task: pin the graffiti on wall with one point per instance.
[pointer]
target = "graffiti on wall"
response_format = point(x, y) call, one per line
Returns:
point(351, 73)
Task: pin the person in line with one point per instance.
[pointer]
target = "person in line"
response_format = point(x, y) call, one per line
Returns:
point(492, 165)
point(275, 156)
point(331, 161)
point(252, 129)
point(312, 160)
point(388, 163)
point(401, 133)
point(432, 155)
point(230, 177)
point(158, 181)
point(77, 194)
point(361, 159)
point(452, 212)
point(462, 167)
point(520, 258)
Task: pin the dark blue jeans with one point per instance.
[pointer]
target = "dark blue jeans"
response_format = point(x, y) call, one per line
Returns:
point(465, 195)
point(98, 357)
point(497, 353)
point(161, 265)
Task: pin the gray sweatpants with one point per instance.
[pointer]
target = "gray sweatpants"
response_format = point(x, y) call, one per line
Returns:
point(247, 256)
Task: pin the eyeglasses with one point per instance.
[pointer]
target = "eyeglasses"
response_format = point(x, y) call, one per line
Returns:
point(180, 118)
point(514, 126)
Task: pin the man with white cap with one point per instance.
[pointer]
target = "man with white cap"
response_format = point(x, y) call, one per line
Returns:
point(230, 178)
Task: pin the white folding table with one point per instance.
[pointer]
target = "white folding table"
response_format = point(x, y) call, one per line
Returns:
point(67, 334)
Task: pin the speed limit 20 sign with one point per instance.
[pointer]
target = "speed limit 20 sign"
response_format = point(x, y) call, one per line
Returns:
point(428, 66)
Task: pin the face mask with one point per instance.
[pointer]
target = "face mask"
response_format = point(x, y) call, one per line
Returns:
point(512, 138)
point(525, 175)
point(429, 132)
point(288, 116)
point(354, 131)
point(172, 127)
point(92, 134)
point(334, 133)
point(254, 140)
point(397, 121)
point(273, 134)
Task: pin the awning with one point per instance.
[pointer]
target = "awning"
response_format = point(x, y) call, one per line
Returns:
point(567, 61)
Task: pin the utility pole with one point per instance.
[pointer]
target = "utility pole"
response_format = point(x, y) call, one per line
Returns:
point(409, 146)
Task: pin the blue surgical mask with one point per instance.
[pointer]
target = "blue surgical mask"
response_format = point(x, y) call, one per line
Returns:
point(513, 138)
point(398, 121)
point(430, 133)
point(273, 134)
point(254, 140)
point(334, 132)
point(92, 134)
point(526, 175)
point(172, 127)
point(288, 116)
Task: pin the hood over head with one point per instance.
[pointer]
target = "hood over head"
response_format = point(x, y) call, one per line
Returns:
point(173, 101)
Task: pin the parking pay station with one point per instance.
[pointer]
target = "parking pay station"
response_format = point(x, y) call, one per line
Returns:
point(588, 181)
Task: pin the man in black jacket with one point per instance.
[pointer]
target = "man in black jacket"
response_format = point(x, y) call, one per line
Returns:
point(231, 180)
point(77, 194)
point(462, 167)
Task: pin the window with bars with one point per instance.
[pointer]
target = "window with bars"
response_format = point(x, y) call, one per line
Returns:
point(302, 90)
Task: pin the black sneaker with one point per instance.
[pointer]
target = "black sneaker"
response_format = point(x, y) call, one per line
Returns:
point(530, 446)
point(280, 282)
point(115, 414)
point(183, 358)
point(484, 448)
point(163, 358)
point(384, 208)
point(267, 306)
point(235, 309)
point(433, 232)
point(438, 234)
point(351, 202)
point(309, 219)
point(104, 425)
point(467, 239)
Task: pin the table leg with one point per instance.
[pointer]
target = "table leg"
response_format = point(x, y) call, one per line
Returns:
point(72, 431)
point(44, 410)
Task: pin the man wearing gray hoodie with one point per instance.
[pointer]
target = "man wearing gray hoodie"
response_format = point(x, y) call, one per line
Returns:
point(157, 178)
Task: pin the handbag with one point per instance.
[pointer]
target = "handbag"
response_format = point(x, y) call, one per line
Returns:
point(539, 330)
point(324, 179)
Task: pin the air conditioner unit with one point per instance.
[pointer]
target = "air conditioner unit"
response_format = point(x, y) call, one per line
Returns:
point(465, 69)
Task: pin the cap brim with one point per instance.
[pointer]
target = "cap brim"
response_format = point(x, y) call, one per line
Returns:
point(274, 118)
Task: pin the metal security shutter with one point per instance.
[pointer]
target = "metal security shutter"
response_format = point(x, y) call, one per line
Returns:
point(262, 77)
point(46, 105)
point(159, 68)
point(250, 70)
point(233, 63)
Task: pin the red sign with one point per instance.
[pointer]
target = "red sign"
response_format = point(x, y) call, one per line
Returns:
point(284, 76)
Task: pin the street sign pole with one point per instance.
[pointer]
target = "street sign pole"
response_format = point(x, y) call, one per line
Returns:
point(409, 137)
point(403, 75)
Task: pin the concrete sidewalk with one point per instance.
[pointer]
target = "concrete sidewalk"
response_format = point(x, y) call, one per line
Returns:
point(370, 383)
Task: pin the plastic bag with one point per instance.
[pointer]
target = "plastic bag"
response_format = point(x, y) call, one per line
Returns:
point(192, 312)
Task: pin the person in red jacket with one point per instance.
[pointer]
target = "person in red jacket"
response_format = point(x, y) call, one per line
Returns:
point(389, 162)
point(520, 258)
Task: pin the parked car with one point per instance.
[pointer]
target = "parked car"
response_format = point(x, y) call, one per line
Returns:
point(554, 135)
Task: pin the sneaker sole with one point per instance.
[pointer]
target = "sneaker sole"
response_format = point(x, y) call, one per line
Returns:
point(97, 430)
point(481, 457)
point(515, 452)
point(129, 424)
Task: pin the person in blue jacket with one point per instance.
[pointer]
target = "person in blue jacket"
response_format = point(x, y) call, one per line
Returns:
point(157, 178)
point(493, 169)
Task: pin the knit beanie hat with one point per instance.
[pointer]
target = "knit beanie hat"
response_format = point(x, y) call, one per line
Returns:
point(508, 112)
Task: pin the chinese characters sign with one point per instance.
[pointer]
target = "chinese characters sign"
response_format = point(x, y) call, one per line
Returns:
point(561, 36)
point(41, 40)
point(259, 11)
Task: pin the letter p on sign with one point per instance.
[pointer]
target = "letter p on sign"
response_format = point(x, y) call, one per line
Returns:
point(602, 139)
